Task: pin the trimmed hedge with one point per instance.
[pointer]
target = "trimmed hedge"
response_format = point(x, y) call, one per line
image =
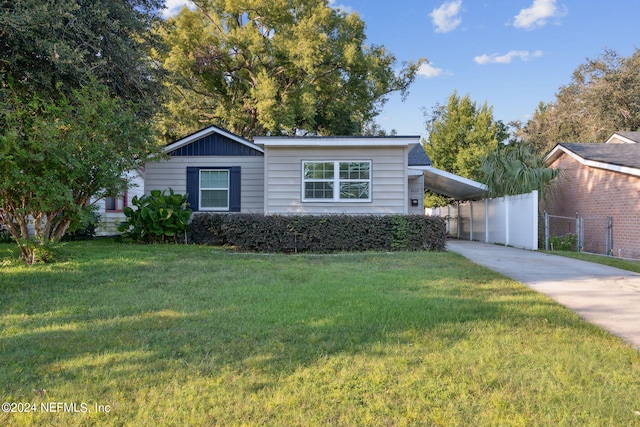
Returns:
point(321, 234)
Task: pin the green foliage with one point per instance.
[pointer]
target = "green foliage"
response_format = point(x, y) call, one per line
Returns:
point(74, 42)
point(55, 154)
point(206, 229)
point(77, 90)
point(158, 217)
point(84, 226)
point(461, 134)
point(5, 236)
point(563, 243)
point(433, 200)
point(319, 234)
point(275, 67)
point(602, 97)
point(516, 169)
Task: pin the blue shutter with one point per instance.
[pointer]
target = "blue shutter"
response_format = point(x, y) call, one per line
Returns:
point(234, 189)
point(193, 187)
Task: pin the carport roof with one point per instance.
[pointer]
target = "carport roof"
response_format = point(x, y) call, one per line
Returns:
point(450, 185)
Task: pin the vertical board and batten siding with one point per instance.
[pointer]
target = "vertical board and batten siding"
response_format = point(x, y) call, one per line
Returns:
point(217, 145)
point(283, 180)
point(172, 173)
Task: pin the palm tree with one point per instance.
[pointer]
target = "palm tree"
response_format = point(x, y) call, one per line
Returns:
point(516, 168)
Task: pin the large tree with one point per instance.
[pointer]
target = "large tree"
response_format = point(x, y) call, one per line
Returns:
point(278, 67)
point(461, 135)
point(77, 90)
point(44, 43)
point(602, 97)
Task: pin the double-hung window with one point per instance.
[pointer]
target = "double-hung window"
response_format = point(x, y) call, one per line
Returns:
point(214, 189)
point(336, 181)
point(115, 204)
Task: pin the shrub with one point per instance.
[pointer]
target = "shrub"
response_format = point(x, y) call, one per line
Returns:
point(321, 234)
point(158, 218)
point(5, 236)
point(206, 229)
point(567, 242)
point(84, 226)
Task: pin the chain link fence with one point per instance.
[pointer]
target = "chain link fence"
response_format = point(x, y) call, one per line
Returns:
point(581, 234)
point(561, 233)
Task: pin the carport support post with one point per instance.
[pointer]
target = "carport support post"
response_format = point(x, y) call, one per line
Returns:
point(458, 210)
point(486, 220)
point(470, 221)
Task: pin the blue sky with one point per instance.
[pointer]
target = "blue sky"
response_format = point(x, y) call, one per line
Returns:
point(510, 53)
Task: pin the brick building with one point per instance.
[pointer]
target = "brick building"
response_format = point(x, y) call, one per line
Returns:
point(600, 183)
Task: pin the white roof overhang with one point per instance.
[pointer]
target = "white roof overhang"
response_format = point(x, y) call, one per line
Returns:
point(449, 184)
point(558, 150)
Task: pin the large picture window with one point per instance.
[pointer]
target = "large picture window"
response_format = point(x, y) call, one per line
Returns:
point(336, 181)
point(214, 189)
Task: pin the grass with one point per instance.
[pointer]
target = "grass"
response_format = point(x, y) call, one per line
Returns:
point(188, 335)
point(624, 264)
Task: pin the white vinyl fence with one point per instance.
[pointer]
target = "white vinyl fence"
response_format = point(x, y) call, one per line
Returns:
point(510, 220)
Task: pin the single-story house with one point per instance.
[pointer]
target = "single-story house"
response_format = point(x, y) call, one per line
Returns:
point(600, 182)
point(223, 172)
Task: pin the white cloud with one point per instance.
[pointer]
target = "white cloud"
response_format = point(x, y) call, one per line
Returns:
point(429, 71)
point(446, 17)
point(173, 7)
point(495, 58)
point(538, 14)
point(341, 7)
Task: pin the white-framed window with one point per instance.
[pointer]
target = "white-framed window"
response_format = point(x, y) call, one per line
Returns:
point(336, 181)
point(214, 189)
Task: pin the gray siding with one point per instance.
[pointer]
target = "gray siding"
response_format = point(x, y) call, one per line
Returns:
point(172, 173)
point(283, 180)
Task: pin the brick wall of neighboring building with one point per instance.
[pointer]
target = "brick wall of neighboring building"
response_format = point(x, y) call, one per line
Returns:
point(595, 194)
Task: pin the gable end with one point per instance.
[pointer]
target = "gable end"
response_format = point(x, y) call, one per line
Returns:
point(214, 144)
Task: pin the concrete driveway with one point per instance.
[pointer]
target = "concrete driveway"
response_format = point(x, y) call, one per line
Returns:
point(605, 296)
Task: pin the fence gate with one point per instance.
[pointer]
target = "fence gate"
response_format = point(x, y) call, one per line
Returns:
point(562, 232)
point(581, 234)
point(597, 232)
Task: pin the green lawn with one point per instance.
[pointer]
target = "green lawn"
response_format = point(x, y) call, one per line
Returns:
point(625, 264)
point(191, 336)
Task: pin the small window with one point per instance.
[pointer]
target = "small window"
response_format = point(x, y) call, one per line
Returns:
point(115, 204)
point(214, 190)
point(337, 181)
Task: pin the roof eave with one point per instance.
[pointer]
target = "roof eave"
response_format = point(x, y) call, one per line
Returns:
point(560, 149)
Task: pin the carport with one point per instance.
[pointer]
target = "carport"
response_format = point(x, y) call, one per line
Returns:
point(510, 220)
point(451, 185)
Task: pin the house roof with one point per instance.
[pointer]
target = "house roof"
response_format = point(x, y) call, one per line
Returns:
point(203, 133)
point(418, 157)
point(623, 158)
point(336, 141)
point(624, 137)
